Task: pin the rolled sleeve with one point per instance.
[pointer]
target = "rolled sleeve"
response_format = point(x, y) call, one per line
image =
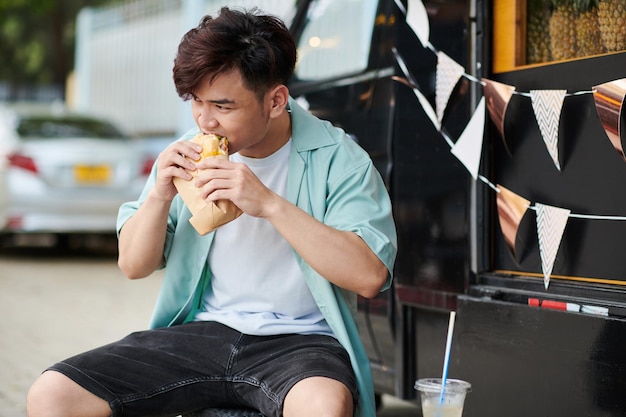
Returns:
point(359, 202)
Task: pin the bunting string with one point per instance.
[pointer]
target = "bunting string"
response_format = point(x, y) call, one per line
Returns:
point(489, 183)
point(573, 215)
point(576, 93)
point(589, 216)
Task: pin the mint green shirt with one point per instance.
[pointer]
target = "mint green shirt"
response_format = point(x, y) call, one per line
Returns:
point(331, 178)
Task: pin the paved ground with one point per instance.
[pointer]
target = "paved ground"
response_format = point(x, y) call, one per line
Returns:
point(53, 305)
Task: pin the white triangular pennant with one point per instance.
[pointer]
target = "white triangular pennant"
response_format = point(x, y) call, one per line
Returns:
point(468, 147)
point(428, 108)
point(551, 222)
point(547, 105)
point(417, 19)
point(448, 75)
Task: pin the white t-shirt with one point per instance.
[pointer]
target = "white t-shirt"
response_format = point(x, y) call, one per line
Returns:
point(257, 286)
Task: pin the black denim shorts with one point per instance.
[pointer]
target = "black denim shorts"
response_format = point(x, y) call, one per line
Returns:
point(180, 369)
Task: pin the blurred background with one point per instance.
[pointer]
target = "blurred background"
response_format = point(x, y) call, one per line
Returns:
point(109, 57)
point(87, 102)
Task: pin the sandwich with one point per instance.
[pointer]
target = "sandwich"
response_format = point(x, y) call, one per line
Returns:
point(207, 217)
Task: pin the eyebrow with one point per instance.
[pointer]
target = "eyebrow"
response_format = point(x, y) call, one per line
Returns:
point(222, 101)
point(218, 101)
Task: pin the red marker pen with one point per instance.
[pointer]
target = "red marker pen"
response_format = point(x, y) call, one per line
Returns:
point(553, 305)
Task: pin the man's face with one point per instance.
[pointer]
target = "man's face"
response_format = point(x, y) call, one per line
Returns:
point(227, 108)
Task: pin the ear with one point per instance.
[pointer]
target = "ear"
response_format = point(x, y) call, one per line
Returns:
point(278, 98)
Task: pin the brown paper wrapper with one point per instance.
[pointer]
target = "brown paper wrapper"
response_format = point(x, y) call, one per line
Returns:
point(206, 217)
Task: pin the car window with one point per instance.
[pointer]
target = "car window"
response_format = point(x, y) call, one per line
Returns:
point(42, 127)
point(336, 39)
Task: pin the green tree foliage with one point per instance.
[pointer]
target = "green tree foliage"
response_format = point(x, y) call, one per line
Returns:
point(37, 40)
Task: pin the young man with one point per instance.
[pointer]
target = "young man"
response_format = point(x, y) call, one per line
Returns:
point(258, 314)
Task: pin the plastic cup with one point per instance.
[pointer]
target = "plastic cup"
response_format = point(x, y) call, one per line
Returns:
point(453, 397)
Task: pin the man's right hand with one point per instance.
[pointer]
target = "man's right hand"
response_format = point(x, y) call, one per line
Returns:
point(142, 238)
point(175, 161)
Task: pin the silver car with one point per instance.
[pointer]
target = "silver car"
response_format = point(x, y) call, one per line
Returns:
point(67, 173)
point(4, 192)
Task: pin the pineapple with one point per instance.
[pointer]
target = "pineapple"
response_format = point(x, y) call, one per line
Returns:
point(612, 22)
point(538, 32)
point(563, 30)
point(588, 36)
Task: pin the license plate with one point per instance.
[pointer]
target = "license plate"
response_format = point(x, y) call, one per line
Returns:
point(92, 174)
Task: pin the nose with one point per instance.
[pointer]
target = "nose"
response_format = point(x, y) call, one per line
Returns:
point(206, 122)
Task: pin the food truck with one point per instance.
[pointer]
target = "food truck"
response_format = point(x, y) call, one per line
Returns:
point(497, 127)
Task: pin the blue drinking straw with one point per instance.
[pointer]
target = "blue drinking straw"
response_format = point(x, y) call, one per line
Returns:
point(446, 358)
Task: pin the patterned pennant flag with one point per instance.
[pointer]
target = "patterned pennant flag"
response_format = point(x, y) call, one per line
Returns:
point(448, 75)
point(417, 19)
point(468, 147)
point(551, 222)
point(547, 105)
point(511, 210)
point(609, 99)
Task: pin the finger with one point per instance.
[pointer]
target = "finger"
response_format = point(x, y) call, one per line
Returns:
point(215, 195)
point(209, 188)
point(181, 161)
point(173, 157)
point(215, 162)
point(186, 149)
point(216, 178)
point(168, 172)
point(182, 173)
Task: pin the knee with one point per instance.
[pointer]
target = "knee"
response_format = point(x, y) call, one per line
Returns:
point(55, 395)
point(319, 397)
point(337, 406)
point(45, 397)
point(40, 399)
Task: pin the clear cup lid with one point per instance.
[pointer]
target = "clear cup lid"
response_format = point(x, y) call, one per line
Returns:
point(434, 385)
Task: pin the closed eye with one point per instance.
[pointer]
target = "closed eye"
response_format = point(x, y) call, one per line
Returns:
point(223, 103)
